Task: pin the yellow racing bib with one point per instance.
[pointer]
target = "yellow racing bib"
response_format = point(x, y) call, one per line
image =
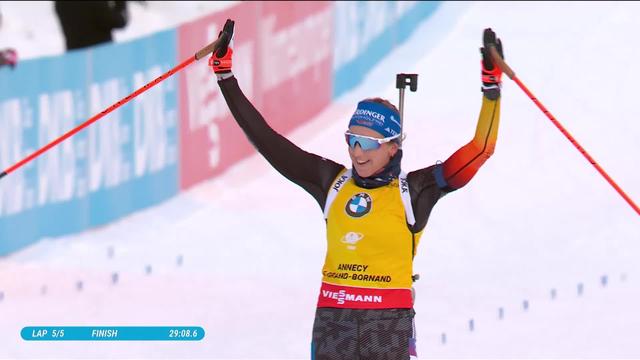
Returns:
point(370, 248)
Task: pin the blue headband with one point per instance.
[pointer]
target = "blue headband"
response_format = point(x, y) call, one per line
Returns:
point(377, 117)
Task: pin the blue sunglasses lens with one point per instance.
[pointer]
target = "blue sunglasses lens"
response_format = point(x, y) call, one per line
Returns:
point(365, 143)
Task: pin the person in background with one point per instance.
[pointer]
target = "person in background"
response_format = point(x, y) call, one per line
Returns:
point(87, 23)
point(8, 57)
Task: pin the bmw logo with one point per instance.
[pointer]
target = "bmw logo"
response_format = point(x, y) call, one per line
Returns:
point(359, 205)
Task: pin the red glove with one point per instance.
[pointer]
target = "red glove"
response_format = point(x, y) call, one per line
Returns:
point(491, 73)
point(220, 60)
point(493, 76)
point(8, 57)
point(221, 65)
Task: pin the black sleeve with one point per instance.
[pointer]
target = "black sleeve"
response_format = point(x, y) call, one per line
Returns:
point(425, 193)
point(313, 173)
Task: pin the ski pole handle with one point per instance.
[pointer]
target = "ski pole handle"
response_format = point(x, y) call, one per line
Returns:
point(208, 49)
point(500, 62)
point(224, 38)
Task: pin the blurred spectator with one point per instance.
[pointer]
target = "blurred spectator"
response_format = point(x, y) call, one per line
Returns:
point(7, 56)
point(87, 23)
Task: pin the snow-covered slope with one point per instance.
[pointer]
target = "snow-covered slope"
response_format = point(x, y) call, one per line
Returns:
point(536, 218)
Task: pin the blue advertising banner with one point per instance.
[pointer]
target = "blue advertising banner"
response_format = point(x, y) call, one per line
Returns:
point(365, 32)
point(123, 163)
point(133, 152)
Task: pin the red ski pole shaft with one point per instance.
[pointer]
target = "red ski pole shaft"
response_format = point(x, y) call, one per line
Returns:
point(507, 70)
point(199, 55)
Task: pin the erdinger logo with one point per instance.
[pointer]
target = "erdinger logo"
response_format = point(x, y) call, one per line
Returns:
point(370, 114)
point(351, 238)
point(359, 205)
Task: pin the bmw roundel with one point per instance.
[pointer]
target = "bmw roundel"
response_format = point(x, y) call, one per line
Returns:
point(359, 205)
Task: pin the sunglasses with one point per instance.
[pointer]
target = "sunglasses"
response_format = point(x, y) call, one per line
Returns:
point(367, 142)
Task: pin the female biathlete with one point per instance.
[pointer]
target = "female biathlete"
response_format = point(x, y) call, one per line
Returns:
point(375, 213)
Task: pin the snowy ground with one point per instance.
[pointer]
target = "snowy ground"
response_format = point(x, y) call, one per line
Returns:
point(537, 216)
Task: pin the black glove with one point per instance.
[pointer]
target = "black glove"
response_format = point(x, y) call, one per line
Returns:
point(225, 37)
point(491, 73)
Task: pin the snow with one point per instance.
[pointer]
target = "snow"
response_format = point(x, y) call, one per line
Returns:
point(536, 217)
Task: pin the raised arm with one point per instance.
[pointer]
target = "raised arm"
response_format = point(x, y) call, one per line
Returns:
point(428, 185)
point(313, 173)
point(460, 167)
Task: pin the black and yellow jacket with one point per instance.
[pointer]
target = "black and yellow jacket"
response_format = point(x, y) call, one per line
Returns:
point(372, 234)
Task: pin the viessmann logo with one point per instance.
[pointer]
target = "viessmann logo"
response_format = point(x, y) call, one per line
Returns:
point(342, 296)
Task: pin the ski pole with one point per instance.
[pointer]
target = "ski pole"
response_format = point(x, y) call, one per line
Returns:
point(402, 80)
point(512, 75)
point(199, 55)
